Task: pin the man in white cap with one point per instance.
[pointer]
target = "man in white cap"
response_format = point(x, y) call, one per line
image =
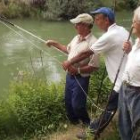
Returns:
point(77, 78)
point(110, 45)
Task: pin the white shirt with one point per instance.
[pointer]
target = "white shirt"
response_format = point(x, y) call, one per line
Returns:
point(132, 69)
point(77, 46)
point(110, 45)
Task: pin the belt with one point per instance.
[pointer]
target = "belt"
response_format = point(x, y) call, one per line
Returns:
point(130, 86)
point(77, 75)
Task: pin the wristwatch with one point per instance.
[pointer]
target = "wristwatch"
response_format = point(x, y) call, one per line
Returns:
point(78, 70)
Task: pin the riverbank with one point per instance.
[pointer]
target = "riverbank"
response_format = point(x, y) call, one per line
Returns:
point(110, 133)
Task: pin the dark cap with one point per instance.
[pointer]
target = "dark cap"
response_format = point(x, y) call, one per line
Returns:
point(106, 11)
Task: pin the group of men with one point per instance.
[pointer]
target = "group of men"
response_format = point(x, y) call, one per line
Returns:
point(83, 58)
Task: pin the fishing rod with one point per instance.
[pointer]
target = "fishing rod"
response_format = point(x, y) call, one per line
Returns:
point(118, 71)
point(114, 6)
point(33, 35)
point(9, 23)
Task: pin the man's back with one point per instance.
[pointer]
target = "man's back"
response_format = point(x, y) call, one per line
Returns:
point(110, 45)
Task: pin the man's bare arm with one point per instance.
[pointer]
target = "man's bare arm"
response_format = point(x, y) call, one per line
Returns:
point(57, 45)
point(77, 58)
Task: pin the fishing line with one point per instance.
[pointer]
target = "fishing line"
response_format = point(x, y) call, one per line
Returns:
point(88, 96)
point(33, 35)
point(32, 44)
point(92, 102)
point(30, 41)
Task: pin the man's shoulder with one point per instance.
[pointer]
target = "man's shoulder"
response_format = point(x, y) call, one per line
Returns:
point(92, 39)
point(117, 31)
point(119, 28)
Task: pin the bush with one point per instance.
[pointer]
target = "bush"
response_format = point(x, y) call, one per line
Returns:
point(98, 78)
point(9, 125)
point(65, 9)
point(48, 9)
point(16, 9)
point(99, 90)
point(33, 108)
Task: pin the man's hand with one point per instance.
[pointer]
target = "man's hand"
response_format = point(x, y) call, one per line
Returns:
point(127, 47)
point(66, 64)
point(72, 70)
point(50, 43)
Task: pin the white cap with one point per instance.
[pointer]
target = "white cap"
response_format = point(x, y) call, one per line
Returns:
point(84, 18)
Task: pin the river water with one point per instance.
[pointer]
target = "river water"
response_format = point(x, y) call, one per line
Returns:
point(21, 52)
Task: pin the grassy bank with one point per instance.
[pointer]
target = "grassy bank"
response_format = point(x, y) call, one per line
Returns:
point(34, 109)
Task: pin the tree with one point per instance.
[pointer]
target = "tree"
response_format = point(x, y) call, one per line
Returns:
point(127, 4)
point(38, 4)
point(67, 9)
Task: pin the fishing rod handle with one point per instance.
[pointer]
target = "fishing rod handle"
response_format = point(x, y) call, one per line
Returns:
point(130, 32)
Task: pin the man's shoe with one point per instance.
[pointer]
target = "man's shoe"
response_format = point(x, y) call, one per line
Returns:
point(85, 134)
point(94, 126)
point(82, 136)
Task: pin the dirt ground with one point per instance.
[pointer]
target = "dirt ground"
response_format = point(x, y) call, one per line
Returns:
point(110, 133)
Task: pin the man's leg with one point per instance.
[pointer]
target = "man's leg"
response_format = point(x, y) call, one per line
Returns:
point(68, 99)
point(79, 98)
point(124, 116)
point(129, 112)
point(134, 103)
point(104, 119)
point(136, 131)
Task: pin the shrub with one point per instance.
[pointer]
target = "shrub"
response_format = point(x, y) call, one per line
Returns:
point(100, 77)
point(99, 89)
point(33, 108)
point(18, 9)
point(65, 9)
point(8, 121)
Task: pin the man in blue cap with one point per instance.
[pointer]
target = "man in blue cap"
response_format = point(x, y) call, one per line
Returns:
point(107, 12)
point(110, 45)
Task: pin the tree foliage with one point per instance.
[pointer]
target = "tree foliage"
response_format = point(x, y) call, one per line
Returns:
point(38, 4)
point(59, 9)
point(66, 9)
point(127, 4)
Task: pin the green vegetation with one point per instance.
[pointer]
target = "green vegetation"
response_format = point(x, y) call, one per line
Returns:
point(98, 78)
point(33, 108)
point(58, 9)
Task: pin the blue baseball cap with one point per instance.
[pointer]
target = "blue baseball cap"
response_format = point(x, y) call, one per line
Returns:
point(106, 11)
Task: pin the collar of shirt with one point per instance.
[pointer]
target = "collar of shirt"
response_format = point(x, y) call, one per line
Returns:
point(80, 38)
point(112, 26)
